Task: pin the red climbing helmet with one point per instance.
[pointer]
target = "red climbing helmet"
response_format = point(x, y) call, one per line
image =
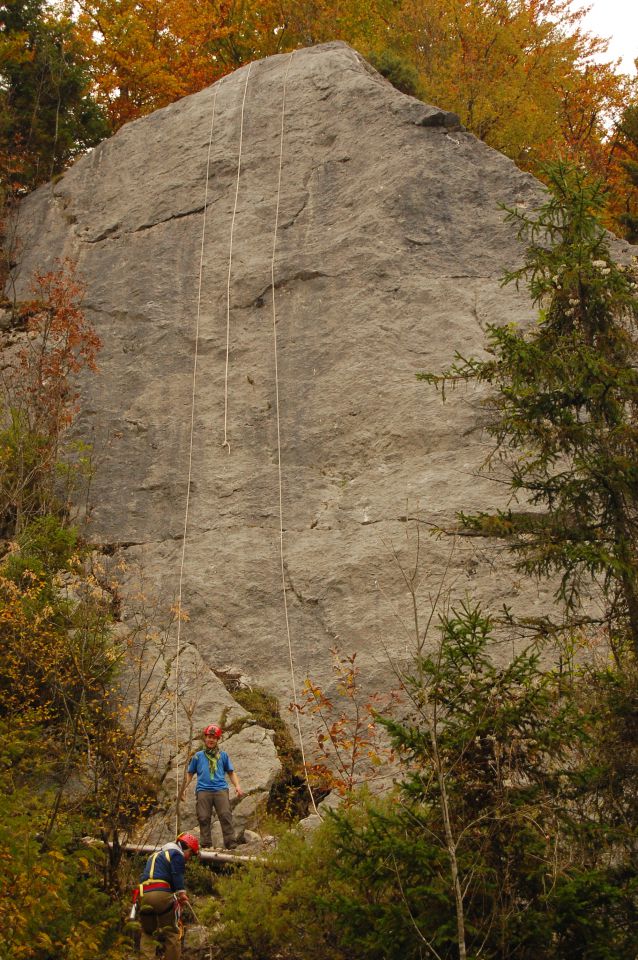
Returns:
point(214, 729)
point(189, 840)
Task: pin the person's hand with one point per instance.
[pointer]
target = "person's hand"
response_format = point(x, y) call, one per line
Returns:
point(239, 791)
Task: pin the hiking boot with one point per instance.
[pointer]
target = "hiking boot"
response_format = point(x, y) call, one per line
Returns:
point(238, 841)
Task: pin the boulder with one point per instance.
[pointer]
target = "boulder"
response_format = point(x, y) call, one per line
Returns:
point(272, 261)
point(248, 812)
point(253, 754)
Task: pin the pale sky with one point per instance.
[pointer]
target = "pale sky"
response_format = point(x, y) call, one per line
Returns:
point(617, 20)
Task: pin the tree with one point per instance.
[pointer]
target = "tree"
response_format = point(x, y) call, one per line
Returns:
point(625, 193)
point(38, 401)
point(145, 55)
point(521, 76)
point(47, 115)
point(148, 53)
point(51, 904)
point(563, 407)
point(348, 750)
point(494, 845)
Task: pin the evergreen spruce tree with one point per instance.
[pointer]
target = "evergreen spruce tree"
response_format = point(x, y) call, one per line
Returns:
point(563, 407)
point(628, 130)
point(47, 115)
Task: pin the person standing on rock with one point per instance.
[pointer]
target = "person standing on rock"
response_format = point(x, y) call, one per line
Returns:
point(212, 766)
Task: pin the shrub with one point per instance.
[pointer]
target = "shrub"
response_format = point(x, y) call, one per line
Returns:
point(398, 70)
point(51, 904)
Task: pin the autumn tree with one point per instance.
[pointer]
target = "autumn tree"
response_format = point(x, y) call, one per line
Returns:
point(39, 397)
point(521, 76)
point(525, 77)
point(147, 54)
point(348, 745)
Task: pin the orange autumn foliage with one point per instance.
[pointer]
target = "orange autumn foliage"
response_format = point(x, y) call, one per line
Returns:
point(145, 55)
point(39, 397)
point(60, 342)
point(521, 75)
point(349, 746)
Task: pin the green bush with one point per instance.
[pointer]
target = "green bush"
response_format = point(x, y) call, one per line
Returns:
point(284, 906)
point(398, 70)
point(498, 789)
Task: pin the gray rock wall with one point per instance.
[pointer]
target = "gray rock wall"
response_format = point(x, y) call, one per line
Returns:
point(389, 252)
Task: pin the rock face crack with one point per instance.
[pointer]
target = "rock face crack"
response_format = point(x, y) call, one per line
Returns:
point(309, 603)
point(108, 232)
point(293, 219)
point(302, 275)
point(304, 203)
point(114, 232)
point(173, 216)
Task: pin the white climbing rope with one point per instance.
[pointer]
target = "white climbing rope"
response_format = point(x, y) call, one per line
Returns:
point(230, 259)
point(279, 474)
point(190, 457)
point(226, 442)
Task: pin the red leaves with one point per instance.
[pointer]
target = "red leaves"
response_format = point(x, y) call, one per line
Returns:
point(347, 735)
point(60, 343)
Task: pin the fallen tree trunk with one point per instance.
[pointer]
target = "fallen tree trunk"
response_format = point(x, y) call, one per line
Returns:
point(211, 856)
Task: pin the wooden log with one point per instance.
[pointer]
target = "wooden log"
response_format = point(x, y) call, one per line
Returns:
point(207, 856)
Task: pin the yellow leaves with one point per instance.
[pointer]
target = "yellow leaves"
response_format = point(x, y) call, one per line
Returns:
point(348, 745)
point(519, 76)
point(180, 613)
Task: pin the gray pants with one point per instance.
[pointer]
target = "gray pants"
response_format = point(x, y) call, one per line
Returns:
point(205, 802)
point(158, 920)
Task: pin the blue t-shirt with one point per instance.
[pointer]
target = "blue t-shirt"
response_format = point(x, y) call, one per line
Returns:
point(200, 765)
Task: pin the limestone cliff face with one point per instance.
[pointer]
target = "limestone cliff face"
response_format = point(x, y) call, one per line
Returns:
point(388, 256)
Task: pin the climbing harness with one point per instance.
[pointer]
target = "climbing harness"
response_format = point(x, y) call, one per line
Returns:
point(145, 911)
point(151, 883)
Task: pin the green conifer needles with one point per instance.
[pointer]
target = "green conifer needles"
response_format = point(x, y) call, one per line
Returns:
point(563, 403)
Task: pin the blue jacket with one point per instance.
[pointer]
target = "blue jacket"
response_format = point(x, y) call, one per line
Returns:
point(166, 864)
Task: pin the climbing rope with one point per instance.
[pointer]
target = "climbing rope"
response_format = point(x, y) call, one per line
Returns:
point(277, 418)
point(207, 945)
point(230, 259)
point(190, 456)
point(277, 404)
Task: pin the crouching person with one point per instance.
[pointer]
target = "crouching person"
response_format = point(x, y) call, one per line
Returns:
point(162, 894)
